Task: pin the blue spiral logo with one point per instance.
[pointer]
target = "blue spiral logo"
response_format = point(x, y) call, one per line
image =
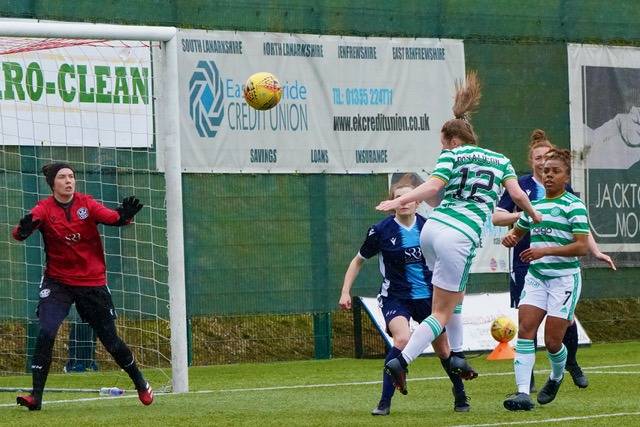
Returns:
point(205, 98)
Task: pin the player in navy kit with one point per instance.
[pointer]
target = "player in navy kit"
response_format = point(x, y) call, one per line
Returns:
point(75, 272)
point(507, 214)
point(406, 288)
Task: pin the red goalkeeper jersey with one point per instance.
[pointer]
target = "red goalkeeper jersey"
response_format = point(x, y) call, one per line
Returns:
point(73, 246)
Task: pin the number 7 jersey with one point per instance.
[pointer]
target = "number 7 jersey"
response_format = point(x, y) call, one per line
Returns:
point(473, 178)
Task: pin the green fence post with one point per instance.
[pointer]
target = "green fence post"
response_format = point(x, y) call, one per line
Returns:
point(357, 327)
point(322, 333)
point(318, 232)
point(189, 342)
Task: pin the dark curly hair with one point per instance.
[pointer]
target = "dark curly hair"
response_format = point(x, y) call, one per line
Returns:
point(560, 154)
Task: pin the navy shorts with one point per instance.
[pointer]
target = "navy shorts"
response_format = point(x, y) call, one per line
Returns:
point(392, 307)
point(93, 303)
point(516, 284)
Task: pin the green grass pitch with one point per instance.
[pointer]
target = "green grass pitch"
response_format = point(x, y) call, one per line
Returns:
point(342, 392)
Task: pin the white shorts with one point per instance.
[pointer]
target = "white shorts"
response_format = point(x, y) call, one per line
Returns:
point(557, 296)
point(448, 254)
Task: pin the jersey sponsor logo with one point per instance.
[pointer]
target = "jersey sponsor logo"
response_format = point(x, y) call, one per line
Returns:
point(533, 283)
point(556, 211)
point(73, 237)
point(83, 213)
point(413, 254)
point(393, 241)
point(541, 230)
point(45, 293)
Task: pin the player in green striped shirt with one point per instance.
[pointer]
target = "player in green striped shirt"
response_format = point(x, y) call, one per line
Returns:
point(470, 180)
point(552, 285)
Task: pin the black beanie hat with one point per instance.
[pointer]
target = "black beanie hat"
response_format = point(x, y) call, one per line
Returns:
point(51, 170)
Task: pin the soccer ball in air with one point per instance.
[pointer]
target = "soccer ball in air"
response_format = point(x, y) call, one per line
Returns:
point(262, 91)
point(503, 329)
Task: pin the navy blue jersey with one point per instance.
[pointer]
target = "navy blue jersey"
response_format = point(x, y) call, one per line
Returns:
point(535, 191)
point(405, 274)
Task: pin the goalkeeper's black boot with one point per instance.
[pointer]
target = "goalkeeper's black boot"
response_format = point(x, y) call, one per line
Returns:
point(460, 401)
point(578, 377)
point(30, 402)
point(399, 374)
point(548, 391)
point(461, 367)
point(518, 402)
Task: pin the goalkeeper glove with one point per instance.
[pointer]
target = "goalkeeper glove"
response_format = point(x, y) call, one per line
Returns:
point(27, 226)
point(129, 208)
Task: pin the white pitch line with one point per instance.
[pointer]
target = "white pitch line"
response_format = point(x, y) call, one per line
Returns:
point(628, 365)
point(554, 420)
point(303, 386)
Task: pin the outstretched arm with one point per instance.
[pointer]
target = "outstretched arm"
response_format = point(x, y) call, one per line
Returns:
point(504, 218)
point(520, 198)
point(595, 251)
point(349, 277)
point(428, 190)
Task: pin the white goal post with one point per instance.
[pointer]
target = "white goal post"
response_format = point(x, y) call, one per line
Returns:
point(168, 137)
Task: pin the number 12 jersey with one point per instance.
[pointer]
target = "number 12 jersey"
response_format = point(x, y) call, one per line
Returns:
point(473, 178)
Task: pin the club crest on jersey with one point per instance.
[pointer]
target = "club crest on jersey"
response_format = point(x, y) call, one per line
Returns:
point(45, 293)
point(555, 211)
point(83, 213)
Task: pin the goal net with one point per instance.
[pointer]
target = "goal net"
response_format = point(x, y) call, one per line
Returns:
point(91, 102)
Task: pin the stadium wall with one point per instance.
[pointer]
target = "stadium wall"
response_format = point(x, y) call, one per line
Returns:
point(281, 243)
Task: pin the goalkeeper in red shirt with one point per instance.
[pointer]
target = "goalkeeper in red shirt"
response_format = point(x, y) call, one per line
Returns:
point(75, 272)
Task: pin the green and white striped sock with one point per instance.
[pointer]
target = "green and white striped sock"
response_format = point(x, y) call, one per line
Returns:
point(558, 361)
point(421, 337)
point(523, 364)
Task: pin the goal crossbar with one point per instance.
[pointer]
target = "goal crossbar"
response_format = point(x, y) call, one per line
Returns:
point(74, 30)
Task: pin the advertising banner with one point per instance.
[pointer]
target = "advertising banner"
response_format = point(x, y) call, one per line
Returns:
point(604, 90)
point(349, 104)
point(478, 312)
point(88, 95)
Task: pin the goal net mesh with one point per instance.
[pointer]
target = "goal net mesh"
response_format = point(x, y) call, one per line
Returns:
point(88, 103)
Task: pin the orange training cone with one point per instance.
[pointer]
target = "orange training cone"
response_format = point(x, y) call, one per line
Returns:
point(503, 351)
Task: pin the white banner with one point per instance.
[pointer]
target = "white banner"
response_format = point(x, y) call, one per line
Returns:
point(349, 105)
point(478, 312)
point(87, 95)
point(604, 83)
